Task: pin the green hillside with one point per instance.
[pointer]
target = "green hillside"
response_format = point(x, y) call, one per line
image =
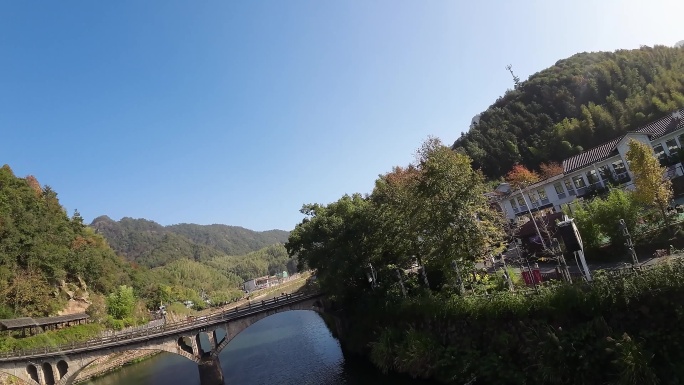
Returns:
point(150, 244)
point(231, 240)
point(41, 247)
point(579, 102)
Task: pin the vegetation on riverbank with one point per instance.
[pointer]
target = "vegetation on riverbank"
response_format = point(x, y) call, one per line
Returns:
point(398, 267)
point(73, 334)
point(619, 330)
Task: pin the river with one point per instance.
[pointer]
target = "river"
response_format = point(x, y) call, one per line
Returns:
point(293, 347)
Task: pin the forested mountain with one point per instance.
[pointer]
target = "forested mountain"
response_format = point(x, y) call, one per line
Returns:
point(151, 244)
point(578, 103)
point(231, 240)
point(41, 246)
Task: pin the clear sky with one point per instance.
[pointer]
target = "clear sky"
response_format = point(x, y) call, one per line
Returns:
point(238, 112)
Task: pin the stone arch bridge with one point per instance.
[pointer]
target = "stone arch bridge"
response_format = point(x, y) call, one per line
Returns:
point(199, 339)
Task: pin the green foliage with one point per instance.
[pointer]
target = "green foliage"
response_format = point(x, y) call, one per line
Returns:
point(151, 244)
point(432, 213)
point(270, 260)
point(74, 334)
point(620, 330)
point(650, 188)
point(97, 310)
point(576, 104)
point(40, 245)
point(599, 218)
point(121, 303)
point(332, 239)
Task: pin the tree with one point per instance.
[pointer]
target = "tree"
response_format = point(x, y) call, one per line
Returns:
point(520, 177)
point(334, 240)
point(652, 188)
point(121, 303)
point(97, 311)
point(550, 169)
point(434, 212)
point(579, 102)
point(599, 218)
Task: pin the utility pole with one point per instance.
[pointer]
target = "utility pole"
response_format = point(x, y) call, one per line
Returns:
point(562, 265)
point(401, 282)
point(629, 243)
point(532, 218)
point(459, 279)
point(372, 277)
point(505, 273)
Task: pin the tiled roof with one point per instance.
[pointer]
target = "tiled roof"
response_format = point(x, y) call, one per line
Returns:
point(18, 323)
point(590, 156)
point(655, 130)
point(663, 126)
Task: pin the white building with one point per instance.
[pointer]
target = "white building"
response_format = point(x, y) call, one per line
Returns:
point(596, 168)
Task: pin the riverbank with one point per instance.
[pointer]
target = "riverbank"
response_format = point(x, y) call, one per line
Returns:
point(116, 361)
point(113, 362)
point(623, 326)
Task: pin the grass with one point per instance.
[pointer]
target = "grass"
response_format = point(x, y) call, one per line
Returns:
point(73, 334)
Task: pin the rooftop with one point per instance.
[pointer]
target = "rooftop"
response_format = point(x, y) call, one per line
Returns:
point(606, 150)
point(24, 322)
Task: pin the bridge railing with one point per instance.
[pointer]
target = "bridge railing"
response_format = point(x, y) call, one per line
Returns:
point(165, 329)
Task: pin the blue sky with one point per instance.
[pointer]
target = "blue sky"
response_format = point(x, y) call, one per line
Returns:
point(239, 112)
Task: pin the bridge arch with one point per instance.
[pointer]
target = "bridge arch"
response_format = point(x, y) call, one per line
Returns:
point(62, 368)
point(236, 327)
point(74, 370)
point(18, 379)
point(32, 372)
point(48, 374)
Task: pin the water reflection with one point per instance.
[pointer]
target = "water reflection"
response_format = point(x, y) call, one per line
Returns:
point(293, 347)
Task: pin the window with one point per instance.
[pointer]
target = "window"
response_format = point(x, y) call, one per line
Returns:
point(592, 177)
point(619, 167)
point(659, 152)
point(672, 146)
point(681, 139)
point(513, 203)
point(542, 194)
point(579, 182)
point(521, 201)
point(533, 197)
point(559, 188)
point(569, 187)
point(605, 173)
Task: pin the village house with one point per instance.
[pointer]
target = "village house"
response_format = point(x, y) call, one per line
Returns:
point(594, 170)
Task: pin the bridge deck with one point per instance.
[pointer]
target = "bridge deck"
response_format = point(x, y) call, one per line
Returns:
point(158, 331)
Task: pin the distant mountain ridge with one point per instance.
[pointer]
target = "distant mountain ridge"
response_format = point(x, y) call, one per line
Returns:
point(150, 244)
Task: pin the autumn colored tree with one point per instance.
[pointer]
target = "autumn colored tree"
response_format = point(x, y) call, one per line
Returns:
point(651, 187)
point(550, 169)
point(520, 176)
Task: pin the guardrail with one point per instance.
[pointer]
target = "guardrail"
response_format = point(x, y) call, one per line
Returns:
point(163, 330)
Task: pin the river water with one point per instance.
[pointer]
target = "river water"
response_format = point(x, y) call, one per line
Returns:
point(293, 347)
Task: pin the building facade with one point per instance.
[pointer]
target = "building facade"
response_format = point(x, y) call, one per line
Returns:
point(594, 170)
